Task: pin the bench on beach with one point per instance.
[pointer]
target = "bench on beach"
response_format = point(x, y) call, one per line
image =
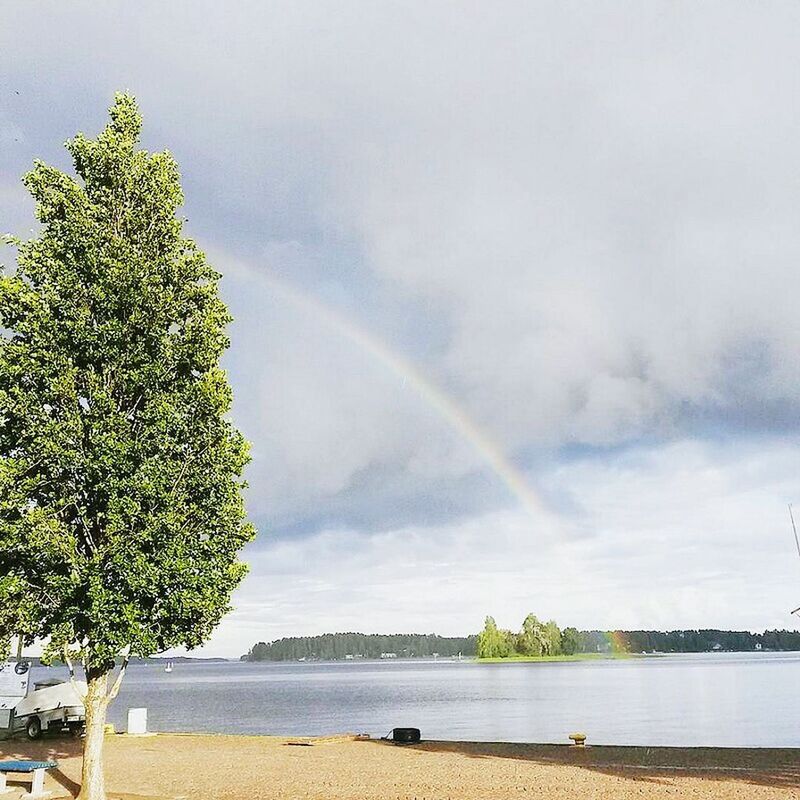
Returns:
point(37, 768)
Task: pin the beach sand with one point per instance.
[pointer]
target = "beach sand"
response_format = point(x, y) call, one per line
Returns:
point(340, 768)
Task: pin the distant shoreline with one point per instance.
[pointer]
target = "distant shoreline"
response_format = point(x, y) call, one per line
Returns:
point(517, 659)
point(356, 645)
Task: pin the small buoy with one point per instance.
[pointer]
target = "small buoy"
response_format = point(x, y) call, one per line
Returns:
point(578, 739)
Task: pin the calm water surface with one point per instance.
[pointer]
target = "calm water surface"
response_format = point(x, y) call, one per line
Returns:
point(731, 699)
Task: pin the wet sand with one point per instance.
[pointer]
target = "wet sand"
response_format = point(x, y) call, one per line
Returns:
point(340, 768)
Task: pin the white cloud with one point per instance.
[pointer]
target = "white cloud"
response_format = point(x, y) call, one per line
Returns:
point(596, 242)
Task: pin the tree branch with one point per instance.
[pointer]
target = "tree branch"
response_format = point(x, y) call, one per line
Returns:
point(131, 412)
point(118, 682)
point(68, 662)
point(186, 463)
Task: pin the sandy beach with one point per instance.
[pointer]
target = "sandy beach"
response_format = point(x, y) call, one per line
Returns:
point(341, 768)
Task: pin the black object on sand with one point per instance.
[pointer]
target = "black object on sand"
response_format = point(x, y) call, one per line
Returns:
point(404, 735)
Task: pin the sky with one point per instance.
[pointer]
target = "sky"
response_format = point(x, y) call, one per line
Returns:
point(515, 292)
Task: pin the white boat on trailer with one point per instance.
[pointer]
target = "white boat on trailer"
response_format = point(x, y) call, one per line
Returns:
point(52, 705)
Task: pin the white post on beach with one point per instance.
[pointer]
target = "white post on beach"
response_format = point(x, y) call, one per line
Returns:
point(137, 721)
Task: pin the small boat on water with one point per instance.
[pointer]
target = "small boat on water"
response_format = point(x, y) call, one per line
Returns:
point(168, 668)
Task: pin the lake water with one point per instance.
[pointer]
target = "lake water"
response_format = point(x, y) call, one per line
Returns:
point(725, 699)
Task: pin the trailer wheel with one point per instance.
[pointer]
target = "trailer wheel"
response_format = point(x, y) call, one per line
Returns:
point(33, 728)
point(75, 729)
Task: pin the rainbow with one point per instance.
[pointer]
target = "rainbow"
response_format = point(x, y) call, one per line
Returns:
point(435, 397)
point(617, 641)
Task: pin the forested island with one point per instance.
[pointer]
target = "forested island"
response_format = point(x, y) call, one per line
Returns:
point(535, 639)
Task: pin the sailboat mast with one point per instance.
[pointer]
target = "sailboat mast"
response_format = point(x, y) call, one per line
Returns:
point(794, 529)
point(796, 541)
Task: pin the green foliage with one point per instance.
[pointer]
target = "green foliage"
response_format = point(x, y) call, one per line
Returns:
point(121, 510)
point(552, 639)
point(530, 641)
point(545, 640)
point(335, 646)
point(538, 638)
point(570, 641)
point(494, 643)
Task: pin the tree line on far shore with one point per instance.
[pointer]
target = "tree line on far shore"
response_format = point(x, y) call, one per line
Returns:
point(340, 646)
point(537, 639)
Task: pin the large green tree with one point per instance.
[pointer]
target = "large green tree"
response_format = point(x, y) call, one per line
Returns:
point(552, 639)
point(532, 638)
point(493, 642)
point(121, 512)
point(570, 641)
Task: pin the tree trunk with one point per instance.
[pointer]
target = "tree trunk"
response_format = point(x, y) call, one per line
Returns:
point(96, 703)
